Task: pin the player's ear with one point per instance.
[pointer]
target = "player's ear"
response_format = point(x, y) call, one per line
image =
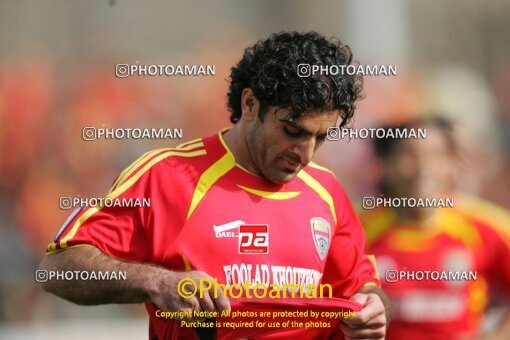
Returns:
point(249, 104)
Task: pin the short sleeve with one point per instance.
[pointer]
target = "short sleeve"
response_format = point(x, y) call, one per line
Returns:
point(347, 267)
point(119, 224)
point(493, 223)
point(497, 239)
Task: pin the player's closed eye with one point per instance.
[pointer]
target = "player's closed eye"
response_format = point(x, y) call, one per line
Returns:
point(292, 131)
point(320, 139)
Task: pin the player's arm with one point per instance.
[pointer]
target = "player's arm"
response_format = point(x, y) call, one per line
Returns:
point(360, 283)
point(493, 223)
point(502, 332)
point(121, 239)
point(143, 283)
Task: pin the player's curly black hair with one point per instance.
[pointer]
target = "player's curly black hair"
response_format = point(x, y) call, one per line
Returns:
point(270, 69)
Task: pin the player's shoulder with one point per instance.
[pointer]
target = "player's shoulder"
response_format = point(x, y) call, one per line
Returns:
point(376, 222)
point(482, 209)
point(182, 160)
point(319, 169)
point(167, 160)
point(485, 215)
point(191, 153)
point(322, 175)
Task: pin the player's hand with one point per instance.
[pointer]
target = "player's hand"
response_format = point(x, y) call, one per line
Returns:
point(167, 296)
point(370, 323)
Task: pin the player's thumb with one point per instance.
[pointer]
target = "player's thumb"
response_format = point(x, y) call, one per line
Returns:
point(360, 298)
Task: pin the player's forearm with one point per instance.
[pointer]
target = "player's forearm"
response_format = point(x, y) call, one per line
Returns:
point(503, 331)
point(385, 300)
point(140, 279)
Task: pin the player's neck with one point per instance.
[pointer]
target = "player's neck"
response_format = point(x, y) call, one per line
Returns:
point(417, 217)
point(236, 142)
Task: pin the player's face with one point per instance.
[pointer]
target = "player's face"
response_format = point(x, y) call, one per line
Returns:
point(281, 148)
point(421, 167)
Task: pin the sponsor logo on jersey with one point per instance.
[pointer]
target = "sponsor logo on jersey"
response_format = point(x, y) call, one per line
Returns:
point(321, 232)
point(242, 273)
point(254, 239)
point(227, 230)
point(429, 306)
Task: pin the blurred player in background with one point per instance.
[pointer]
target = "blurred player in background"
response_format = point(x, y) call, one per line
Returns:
point(204, 191)
point(474, 235)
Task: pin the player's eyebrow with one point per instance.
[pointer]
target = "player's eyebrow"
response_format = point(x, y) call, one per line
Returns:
point(297, 126)
point(303, 130)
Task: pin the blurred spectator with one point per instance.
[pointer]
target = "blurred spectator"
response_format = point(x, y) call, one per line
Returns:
point(473, 236)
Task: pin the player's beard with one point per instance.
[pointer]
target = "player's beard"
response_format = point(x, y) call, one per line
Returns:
point(261, 154)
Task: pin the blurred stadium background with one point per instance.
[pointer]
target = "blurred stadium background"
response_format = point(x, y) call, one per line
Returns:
point(57, 63)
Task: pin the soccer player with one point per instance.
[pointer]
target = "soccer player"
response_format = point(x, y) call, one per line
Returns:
point(472, 237)
point(204, 193)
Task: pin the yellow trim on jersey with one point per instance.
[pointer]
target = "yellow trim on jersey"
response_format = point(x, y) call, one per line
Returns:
point(130, 169)
point(225, 146)
point(196, 143)
point(187, 266)
point(417, 236)
point(374, 263)
point(317, 166)
point(188, 143)
point(370, 284)
point(319, 189)
point(497, 218)
point(457, 227)
point(376, 224)
point(412, 239)
point(478, 297)
point(127, 169)
point(274, 195)
point(220, 134)
point(71, 247)
point(121, 189)
point(209, 177)
point(192, 146)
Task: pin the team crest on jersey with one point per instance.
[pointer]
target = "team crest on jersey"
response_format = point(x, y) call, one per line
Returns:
point(321, 232)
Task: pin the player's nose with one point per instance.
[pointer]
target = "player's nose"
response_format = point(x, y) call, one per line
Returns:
point(305, 151)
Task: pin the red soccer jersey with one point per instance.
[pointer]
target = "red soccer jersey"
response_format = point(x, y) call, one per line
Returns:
point(199, 199)
point(473, 237)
